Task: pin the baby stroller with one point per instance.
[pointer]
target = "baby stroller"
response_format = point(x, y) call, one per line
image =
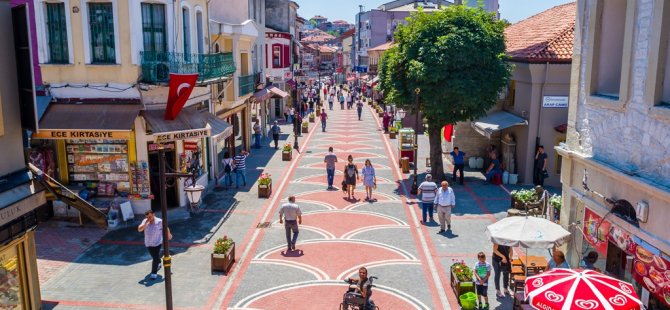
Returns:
point(352, 300)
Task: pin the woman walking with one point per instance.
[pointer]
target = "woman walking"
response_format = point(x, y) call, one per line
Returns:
point(369, 180)
point(350, 177)
point(501, 264)
point(228, 166)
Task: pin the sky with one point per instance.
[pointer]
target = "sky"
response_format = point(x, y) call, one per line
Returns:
point(512, 10)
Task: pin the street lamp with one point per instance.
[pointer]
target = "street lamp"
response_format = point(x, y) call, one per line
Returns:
point(194, 193)
point(399, 115)
point(415, 189)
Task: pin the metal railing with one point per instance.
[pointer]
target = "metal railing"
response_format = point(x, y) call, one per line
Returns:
point(157, 66)
point(247, 84)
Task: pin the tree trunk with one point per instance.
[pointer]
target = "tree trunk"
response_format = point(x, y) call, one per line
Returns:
point(436, 165)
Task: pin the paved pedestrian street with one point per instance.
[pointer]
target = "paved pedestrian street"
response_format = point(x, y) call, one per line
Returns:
point(337, 236)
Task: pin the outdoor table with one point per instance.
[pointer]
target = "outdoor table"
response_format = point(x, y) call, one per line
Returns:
point(536, 264)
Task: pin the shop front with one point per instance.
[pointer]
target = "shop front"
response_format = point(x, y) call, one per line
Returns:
point(238, 118)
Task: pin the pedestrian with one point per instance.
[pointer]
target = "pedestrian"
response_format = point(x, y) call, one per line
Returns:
point(241, 167)
point(493, 169)
point(557, 260)
point(291, 114)
point(540, 166)
point(459, 163)
point(359, 108)
point(427, 190)
point(291, 216)
point(331, 98)
point(501, 265)
point(341, 101)
point(227, 164)
point(257, 135)
point(385, 121)
point(482, 272)
point(590, 260)
point(275, 130)
point(369, 180)
point(350, 101)
point(330, 161)
point(152, 227)
point(444, 201)
point(350, 177)
point(298, 123)
point(324, 117)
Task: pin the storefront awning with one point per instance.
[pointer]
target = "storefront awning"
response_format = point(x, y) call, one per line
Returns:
point(87, 121)
point(349, 79)
point(497, 121)
point(373, 81)
point(94, 93)
point(189, 124)
point(270, 92)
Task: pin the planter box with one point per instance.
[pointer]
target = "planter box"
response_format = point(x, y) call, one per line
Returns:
point(311, 119)
point(286, 156)
point(264, 191)
point(461, 287)
point(305, 129)
point(392, 135)
point(223, 262)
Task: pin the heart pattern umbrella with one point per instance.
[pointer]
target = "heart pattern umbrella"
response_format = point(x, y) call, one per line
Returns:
point(579, 289)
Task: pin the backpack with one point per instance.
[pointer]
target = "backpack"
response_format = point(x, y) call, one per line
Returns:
point(227, 168)
point(351, 171)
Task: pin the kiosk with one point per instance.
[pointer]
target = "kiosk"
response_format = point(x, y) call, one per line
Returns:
point(406, 144)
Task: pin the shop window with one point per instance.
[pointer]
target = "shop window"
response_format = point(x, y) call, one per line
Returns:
point(57, 33)
point(276, 56)
point(608, 48)
point(104, 162)
point(101, 22)
point(10, 273)
point(153, 27)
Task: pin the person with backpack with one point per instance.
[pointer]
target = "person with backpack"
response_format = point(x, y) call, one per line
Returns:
point(350, 177)
point(228, 164)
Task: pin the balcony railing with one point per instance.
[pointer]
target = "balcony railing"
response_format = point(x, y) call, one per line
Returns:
point(157, 66)
point(247, 84)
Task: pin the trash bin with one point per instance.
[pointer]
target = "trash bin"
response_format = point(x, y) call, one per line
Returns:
point(468, 301)
point(404, 164)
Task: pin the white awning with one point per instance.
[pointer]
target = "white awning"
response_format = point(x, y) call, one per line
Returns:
point(95, 92)
point(497, 121)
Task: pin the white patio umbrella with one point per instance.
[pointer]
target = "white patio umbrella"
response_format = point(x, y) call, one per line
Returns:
point(527, 232)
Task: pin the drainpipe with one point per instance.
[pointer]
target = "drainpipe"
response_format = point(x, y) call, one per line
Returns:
point(544, 83)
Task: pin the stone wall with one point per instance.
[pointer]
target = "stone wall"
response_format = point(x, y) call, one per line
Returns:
point(471, 142)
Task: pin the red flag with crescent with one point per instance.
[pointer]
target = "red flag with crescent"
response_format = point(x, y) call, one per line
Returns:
point(448, 132)
point(181, 86)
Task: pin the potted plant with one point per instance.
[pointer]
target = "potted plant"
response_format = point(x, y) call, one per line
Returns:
point(461, 279)
point(287, 152)
point(264, 186)
point(380, 112)
point(223, 255)
point(305, 127)
point(311, 117)
point(556, 201)
point(392, 132)
point(318, 111)
point(525, 199)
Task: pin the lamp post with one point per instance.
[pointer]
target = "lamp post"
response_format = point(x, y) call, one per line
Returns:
point(399, 115)
point(415, 189)
point(194, 193)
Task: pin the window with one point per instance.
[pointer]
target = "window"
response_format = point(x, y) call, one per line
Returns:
point(657, 92)
point(665, 52)
point(153, 27)
point(276, 56)
point(199, 33)
point(187, 31)
point(608, 48)
point(57, 33)
point(217, 48)
point(101, 21)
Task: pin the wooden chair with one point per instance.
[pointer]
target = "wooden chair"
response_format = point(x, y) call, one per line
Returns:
point(517, 262)
point(517, 270)
point(518, 282)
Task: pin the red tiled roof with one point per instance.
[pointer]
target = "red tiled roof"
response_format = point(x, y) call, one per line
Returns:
point(547, 36)
point(348, 33)
point(382, 47)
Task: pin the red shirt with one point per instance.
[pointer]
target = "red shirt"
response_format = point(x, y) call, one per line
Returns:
point(324, 116)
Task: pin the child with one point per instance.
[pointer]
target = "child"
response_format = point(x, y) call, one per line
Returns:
point(482, 271)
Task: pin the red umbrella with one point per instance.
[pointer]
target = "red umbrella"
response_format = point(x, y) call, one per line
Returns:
point(579, 289)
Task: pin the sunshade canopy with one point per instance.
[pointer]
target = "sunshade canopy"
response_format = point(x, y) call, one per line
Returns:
point(527, 232)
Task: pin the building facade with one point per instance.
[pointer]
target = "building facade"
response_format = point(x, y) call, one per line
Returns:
point(616, 169)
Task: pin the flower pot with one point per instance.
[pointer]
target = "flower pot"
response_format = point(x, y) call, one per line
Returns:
point(223, 262)
point(264, 191)
point(305, 129)
point(311, 119)
point(472, 162)
point(392, 135)
point(286, 156)
point(461, 287)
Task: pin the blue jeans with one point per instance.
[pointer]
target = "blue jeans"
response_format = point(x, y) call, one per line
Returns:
point(323, 125)
point(291, 226)
point(289, 119)
point(257, 142)
point(243, 174)
point(490, 174)
point(426, 208)
point(331, 176)
point(227, 179)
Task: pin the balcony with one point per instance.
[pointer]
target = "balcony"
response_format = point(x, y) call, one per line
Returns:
point(247, 84)
point(211, 68)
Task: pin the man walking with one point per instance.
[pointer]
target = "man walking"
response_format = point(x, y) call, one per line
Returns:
point(324, 117)
point(540, 166)
point(330, 161)
point(275, 130)
point(241, 168)
point(359, 108)
point(459, 163)
point(445, 201)
point(427, 190)
point(257, 135)
point(153, 239)
point(291, 214)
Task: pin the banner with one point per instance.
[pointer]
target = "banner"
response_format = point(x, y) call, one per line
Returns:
point(448, 132)
point(596, 231)
point(181, 86)
point(653, 272)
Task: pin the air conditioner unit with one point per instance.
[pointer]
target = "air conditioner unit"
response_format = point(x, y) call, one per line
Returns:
point(642, 211)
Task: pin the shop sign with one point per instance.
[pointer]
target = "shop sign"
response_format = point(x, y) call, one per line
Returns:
point(82, 134)
point(153, 147)
point(190, 146)
point(596, 230)
point(622, 239)
point(22, 207)
point(653, 272)
point(182, 135)
point(555, 101)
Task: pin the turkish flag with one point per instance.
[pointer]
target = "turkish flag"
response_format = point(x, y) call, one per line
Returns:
point(181, 86)
point(448, 132)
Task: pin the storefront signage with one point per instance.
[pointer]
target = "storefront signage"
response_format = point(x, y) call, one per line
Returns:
point(153, 147)
point(622, 239)
point(82, 134)
point(595, 231)
point(182, 135)
point(555, 101)
point(20, 208)
point(653, 272)
point(190, 146)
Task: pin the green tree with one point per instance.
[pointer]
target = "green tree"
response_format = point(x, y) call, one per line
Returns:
point(456, 58)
